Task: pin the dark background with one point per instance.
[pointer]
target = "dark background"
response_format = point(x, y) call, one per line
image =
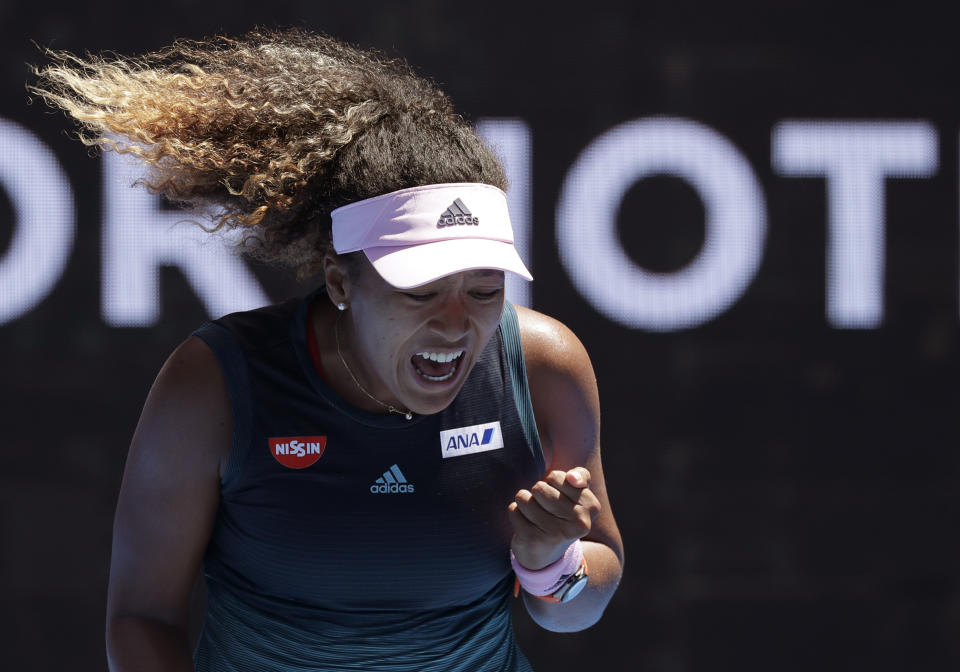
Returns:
point(787, 490)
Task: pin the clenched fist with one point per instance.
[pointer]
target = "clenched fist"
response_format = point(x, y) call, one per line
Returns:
point(552, 514)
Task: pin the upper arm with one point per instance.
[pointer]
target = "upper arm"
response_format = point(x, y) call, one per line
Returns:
point(566, 404)
point(171, 487)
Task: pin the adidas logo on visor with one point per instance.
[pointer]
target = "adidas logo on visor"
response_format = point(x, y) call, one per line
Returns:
point(457, 213)
point(392, 481)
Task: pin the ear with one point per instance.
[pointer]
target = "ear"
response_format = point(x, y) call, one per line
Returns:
point(337, 279)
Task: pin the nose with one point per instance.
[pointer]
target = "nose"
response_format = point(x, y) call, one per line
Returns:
point(452, 319)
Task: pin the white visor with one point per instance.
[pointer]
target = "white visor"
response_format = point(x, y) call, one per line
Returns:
point(418, 235)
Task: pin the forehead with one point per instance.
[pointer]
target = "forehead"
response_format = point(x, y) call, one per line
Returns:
point(484, 274)
point(478, 275)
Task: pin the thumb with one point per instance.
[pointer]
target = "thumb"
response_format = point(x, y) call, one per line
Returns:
point(578, 477)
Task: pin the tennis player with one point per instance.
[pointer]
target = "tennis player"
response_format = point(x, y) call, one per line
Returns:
point(367, 474)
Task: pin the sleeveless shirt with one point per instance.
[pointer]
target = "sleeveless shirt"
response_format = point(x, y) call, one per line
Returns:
point(348, 540)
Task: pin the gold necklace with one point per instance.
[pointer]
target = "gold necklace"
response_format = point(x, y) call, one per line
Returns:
point(336, 334)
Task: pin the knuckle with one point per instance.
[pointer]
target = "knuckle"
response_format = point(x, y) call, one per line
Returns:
point(548, 492)
point(585, 519)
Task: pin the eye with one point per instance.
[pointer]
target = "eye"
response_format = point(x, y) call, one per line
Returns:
point(487, 295)
point(420, 298)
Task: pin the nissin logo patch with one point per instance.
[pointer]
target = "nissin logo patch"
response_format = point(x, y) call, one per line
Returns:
point(472, 439)
point(297, 452)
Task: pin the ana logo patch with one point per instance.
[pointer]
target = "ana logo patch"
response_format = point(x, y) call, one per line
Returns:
point(472, 439)
point(297, 452)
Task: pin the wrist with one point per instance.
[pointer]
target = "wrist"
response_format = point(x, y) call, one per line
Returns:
point(559, 581)
point(536, 556)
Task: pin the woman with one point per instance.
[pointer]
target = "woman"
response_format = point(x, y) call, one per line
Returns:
point(367, 473)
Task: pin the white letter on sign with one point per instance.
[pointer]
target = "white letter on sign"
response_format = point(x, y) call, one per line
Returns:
point(855, 157)
point(587, 224)
point(138, 238)
point(511, 140)
point(44, 220)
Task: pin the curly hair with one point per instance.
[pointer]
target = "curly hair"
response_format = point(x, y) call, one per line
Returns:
point(270, 132)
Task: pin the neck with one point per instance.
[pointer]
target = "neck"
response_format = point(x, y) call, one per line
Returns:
point(345, 376)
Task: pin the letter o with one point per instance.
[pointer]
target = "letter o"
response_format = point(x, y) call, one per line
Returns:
point(587, 224)
point(44, 225)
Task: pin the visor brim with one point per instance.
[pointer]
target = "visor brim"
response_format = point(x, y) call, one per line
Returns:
point(405, 267)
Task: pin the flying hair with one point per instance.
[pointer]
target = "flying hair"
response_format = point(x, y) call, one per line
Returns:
point(269, 132)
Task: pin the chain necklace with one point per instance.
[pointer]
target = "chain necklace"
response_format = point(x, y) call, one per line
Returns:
point(392, 409)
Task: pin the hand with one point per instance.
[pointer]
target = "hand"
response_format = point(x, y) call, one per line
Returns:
point(551, 515)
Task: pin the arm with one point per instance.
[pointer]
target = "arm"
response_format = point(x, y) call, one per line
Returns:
point(567, 503)
point(165, 513)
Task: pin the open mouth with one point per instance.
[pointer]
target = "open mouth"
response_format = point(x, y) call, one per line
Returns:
point(437, 366)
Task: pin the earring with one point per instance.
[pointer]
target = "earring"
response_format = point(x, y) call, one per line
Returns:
point(341, 306)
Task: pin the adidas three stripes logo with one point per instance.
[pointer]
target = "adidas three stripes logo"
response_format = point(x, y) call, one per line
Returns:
point(392, 481)
point(457, 213)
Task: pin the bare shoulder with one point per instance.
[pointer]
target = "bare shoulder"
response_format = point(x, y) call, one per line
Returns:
point(563, 390)
point(551, 349)
point(190, 392)
point(171, 487)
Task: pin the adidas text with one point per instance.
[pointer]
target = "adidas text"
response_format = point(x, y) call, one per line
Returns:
point(392, 482)
point(451, 220)
point(391, 488)
point(456, 214)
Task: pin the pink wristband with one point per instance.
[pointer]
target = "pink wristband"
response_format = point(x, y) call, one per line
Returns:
point(546, 581)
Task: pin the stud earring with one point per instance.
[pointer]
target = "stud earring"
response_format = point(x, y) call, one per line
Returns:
point(341, 306)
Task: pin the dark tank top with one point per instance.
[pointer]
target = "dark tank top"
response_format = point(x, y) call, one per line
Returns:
point(348, 540)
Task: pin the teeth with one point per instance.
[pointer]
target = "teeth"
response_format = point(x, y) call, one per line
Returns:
point(438, 379)
point(441, 357)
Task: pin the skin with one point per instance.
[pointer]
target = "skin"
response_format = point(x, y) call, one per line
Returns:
point(570, 501)
point(385, 327)
point(170, 493)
